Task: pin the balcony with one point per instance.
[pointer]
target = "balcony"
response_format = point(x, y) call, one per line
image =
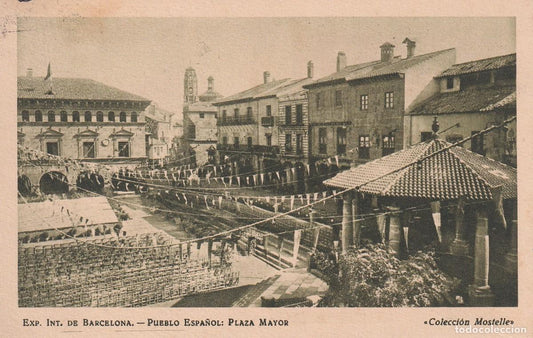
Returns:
point(267, 121)
point(235, 121)
point(248, 148)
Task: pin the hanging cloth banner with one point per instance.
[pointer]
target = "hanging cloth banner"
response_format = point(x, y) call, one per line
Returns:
point(220, 201)
point(296, 248)
point(329, 161)
point(267, 199)
point(247, 180)
point(174, 177)
point(279, 176)
point(166, 175)
point(239, 181)
point(262, 178)
point(406, 236)
point(292, 202)
point(308, 169)
point(293, 170)
point(207, 178)
point(308, 198)
point(256, 179)
point(337, 160)
point(381, 220)
point(215, 170)
point(282, 199)
point(435, 212)
point(178, 197)
point(184, 197)
point(206, 204)
point(315, 197)
point(499, 217)
point(301, 198)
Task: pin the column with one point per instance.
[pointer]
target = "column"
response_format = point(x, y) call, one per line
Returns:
point(347, 225)
point(511, 258)
point(459, 246)
point(479, 292)
point(394, 229)
point(356, 224)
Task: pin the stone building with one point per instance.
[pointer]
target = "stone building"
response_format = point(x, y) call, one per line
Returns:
point(472, 96)
point(81, 119)
point(159, 130)
point(357, 112)
point(199, 120)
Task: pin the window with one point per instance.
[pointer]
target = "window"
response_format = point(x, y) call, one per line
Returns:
point(224, 140)
point(364, 146)
point(322, 141)
point(202, 115)
point(52, 148)
point(224, 114)
point(88, 116)
point(338, 98)
point(236, 112)
point(100, 116)
point(477, 143)
point(387, 146)
point(363, 103)
point(51, 116)
point(268, 138)
point(124, 149)
point(38, 116)
point(236, 141)
point(318, 100)
point(75, 116)
point(299, 144)
point(88, 150)
point(449, 83)
point(389, 100)
point(122, 116)
point(288, 142)
point(25, 116)
point(249, 113)
point(269, 110)
point(133, 117)
point(341, 141)
point(191, 130)
point(299, 114)
point(63, 116)
point(288, 117)
point(425, 135)
point(249, 141)
point(111, 116)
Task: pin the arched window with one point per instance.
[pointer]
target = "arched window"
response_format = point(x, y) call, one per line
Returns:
point(133, 116)
point(88, 116)
point(51, 116)
point(75, 116)
point(38, 116)
point(111, 116)
point(25, 116)
point(64, 116)
point(99, 117)
point(122, 116)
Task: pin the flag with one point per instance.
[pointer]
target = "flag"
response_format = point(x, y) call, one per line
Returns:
point(49, 72)
point(297, 237)
point(262, 178)
point(292, 201)
point(406, 236)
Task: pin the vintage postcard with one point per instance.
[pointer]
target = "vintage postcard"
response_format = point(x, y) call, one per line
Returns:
point(244, 173)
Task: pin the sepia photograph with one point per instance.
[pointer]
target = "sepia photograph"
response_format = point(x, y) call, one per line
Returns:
point(267, 162)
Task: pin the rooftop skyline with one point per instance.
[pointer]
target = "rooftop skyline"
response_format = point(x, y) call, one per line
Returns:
point(148, 56)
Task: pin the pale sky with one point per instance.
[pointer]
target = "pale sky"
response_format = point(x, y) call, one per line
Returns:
point(148, 56)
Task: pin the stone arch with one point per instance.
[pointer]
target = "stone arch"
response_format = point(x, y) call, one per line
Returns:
point(90, 181)
point(54, 182)
point(24, 185)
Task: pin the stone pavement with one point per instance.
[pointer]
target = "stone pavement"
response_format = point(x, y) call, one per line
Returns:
point(293, 283)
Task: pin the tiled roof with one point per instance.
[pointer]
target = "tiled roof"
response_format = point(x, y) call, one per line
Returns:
point(253, 92)
point(468, 100)
point(290, 88)
point(203, 107)
point(448, 175)
point(71, 88)
point(378, 68)
point(481, 65)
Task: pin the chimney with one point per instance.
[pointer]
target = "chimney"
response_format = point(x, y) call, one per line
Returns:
point(410, 47)
point(266, 77)
point(310, 69)
point(387, 52)
point(29, 72)
point(210, 83)
point(341, 61)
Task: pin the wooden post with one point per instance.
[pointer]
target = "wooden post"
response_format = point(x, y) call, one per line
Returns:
point(480, 293)
point(209, 251)
point(394, 229)
point(511, 257)
point(347, 226)
point(355, 223)
point(459, 246)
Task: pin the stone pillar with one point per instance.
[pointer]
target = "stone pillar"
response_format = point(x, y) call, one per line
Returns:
point(511, 257)
point(479, 292)
point(394, 229)
point(459, 246)
point(355, 222)
point(347, 225)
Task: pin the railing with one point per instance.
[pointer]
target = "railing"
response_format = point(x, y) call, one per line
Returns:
point(235, 120)
point(267, 121)
point(248, 148)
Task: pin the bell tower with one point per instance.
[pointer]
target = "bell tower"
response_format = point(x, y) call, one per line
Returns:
point(190, 86)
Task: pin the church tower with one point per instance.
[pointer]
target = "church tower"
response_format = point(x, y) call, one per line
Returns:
point(190, 86)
